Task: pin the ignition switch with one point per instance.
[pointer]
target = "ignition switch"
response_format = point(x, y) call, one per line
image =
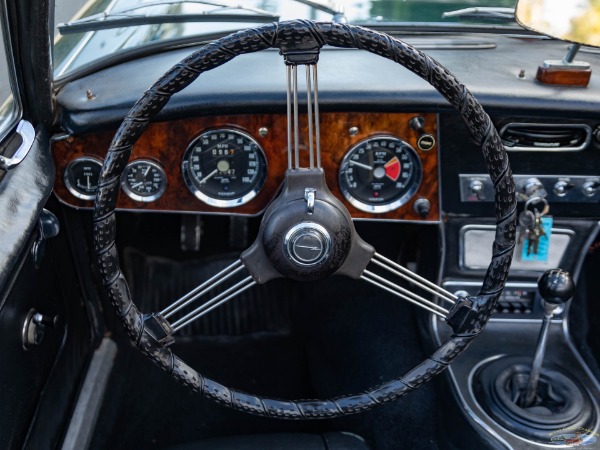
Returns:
point(532, 187)
point(562, 187)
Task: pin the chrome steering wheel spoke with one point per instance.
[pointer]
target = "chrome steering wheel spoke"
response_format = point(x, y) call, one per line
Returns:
point(293, 121)
point(393, 268)
point(178, 311)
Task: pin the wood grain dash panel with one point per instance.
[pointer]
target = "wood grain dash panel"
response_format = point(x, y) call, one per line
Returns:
point(165, 143)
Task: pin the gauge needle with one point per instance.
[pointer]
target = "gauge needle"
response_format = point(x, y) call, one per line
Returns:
point(205, 179)
point(137, 184)
point(361, 165)
point(147, 170)
point(88, 182)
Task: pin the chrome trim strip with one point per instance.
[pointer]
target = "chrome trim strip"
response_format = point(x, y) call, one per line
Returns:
point(17, 112)
point(83, 422)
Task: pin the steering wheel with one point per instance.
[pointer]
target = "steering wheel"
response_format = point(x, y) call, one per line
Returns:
point(306, 233)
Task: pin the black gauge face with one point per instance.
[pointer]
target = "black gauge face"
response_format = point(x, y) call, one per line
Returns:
point(144, 180)
point(224, 168)
point(380, 174)
point(81, 177)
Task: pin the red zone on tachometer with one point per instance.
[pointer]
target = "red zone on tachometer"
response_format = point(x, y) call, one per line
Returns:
point(392, 168)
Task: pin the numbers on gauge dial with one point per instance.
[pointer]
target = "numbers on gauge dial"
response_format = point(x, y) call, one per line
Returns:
point(224, 168)
point(380, 174)
point(81, 177)
point(144, 180)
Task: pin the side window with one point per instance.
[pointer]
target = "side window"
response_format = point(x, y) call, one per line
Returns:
point(9, 107)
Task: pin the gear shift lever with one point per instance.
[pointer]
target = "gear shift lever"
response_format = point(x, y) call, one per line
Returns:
point(531, 400)
point(556, 288)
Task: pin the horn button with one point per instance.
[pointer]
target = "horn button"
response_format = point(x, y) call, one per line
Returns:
point(307, 244)
point(306, 234)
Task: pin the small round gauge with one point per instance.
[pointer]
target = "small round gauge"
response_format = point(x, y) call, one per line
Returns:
point(380, 174)
point(144, 180)
point(224, 168)
point(81, 177)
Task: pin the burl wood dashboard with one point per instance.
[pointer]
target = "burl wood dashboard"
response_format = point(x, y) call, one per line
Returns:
point(165, 144)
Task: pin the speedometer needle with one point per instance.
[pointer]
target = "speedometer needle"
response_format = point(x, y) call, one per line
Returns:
point(205, 179)
point(361, 165)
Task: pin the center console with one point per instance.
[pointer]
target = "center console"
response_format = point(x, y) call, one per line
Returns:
point(529, 338)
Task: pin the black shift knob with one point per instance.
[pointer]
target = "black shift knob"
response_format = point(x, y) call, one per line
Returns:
point(556, 286)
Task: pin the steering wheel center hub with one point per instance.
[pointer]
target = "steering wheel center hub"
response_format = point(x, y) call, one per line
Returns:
point(307, 244)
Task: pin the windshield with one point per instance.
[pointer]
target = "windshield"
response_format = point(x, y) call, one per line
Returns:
point(77, 47)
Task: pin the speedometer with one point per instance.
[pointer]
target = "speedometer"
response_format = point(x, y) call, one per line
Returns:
point(380, 174)
point(224, 168)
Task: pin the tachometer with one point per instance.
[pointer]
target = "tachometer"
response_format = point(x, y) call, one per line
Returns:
point(380, 174)
point(224, 168)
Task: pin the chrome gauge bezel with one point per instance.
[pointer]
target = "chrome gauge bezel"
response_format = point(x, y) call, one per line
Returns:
point(385, 207)
point(218, 202)
point(72, 189)
point(136, 196)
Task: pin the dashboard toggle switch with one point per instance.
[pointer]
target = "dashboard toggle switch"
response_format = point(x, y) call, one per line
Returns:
point(562, 187)
point(590, 187)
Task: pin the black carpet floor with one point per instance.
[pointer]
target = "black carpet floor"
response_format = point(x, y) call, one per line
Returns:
point(286, 340)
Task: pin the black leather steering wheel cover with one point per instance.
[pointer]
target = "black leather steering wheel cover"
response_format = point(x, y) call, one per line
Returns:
point(285, 35)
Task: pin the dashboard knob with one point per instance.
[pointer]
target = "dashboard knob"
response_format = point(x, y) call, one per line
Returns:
point(425, 141)
point(417, 123)
point(422, 207)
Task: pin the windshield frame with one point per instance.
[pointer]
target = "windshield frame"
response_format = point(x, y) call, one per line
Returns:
point(64, 72)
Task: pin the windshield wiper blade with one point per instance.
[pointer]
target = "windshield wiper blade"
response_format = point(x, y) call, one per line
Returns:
point(126, 18)
point(483, 12)
point(337, 11)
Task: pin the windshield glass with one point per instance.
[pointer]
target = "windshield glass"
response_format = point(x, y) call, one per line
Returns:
point(175, 20)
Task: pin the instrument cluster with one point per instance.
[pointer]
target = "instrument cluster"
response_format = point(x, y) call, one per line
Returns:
point(385, 169)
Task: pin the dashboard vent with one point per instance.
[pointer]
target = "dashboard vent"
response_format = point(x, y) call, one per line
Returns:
point(545, 137)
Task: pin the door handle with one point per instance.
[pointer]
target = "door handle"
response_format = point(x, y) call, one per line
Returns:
point(27, 133)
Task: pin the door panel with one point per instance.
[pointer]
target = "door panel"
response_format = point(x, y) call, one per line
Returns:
point(38, 383)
